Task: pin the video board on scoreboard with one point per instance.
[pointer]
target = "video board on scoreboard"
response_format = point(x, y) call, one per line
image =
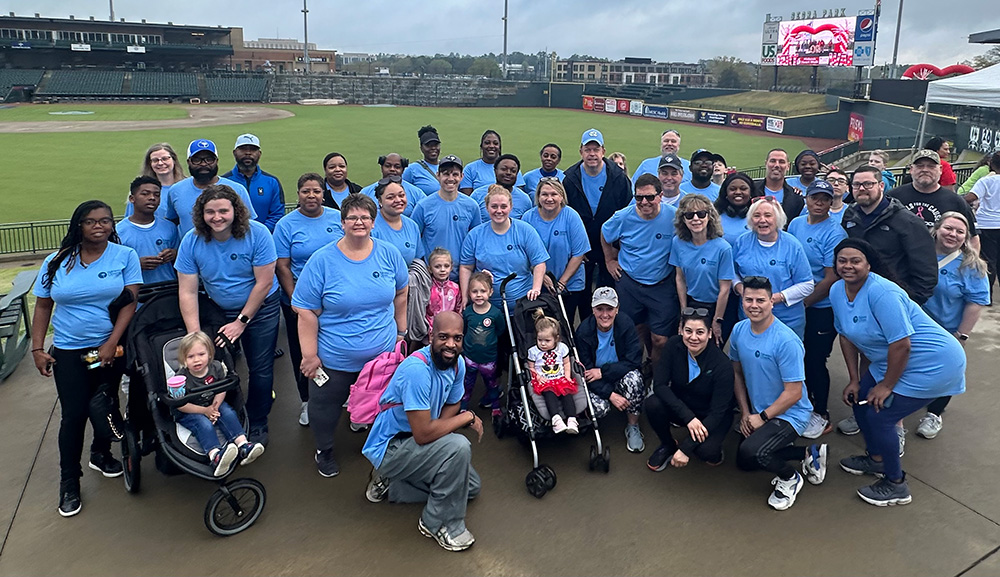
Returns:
point(818, 42)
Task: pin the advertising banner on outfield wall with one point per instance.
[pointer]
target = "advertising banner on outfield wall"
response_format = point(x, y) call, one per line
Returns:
point(588, 102)
point(598, 104)
point(623, 106)
point(635, 108)
point(683, 114)
point(776, 125)
point(610, 105)
point(856, 127)
point(656, 112)
point(984, 138)
point(719, 118)
point(752, 121)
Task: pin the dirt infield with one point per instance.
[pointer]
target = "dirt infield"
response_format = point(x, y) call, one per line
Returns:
point(197, 116)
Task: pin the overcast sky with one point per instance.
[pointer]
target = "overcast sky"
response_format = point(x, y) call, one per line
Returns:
point(671, 30)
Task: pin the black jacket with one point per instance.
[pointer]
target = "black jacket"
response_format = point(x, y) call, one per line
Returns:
point(626, 343)
point(709, 397)
point(792, 201)
point(616, 196)
point(901, 240)
point(352, 188)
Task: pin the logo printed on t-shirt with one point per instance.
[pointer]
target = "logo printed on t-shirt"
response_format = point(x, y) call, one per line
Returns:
point(260, 191)
point(487, 322)
point(233, 256)
point(810, 239)
point(703, 261)
point(329, 229)
point(376, 274)
point(659, 236)
point(756, 353)
point(555, 233)
point(510, 247)
point(454, 217)
point(860, 318)
point(102, 275)
point(773, 262)
point(159, 242)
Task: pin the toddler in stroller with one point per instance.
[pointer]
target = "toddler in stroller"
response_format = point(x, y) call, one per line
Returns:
point(550, 374)
point(196, 355)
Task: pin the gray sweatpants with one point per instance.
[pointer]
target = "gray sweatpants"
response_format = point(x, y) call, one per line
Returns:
point(438, 473)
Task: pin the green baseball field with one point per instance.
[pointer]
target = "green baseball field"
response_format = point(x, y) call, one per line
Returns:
point(56, 156)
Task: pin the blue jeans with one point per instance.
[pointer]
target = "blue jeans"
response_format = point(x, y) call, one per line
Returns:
point(258, 340)
point(204, 430)
point(879, 429)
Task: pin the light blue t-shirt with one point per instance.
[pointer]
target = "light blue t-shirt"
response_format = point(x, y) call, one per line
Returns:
point(446, 223)
point(406, 239)
point(355, 299)
point(703, 266)
point(80, 319)
point(150, 240)
point(593, 186)
point(693, 369)
point(711, 191)
point(645, 244)
point(417, 385)
point(226, 268)
point(423, 178)
point(733, 227)
point(818, 240)
point(161, 210)
point(796, 182)
point(297, 236)
point(784, 264)
point(652, 166)
point(606, 352)
point(770, 360)
point(181, 197)
point(338, 197)
point(837, 217)
point(413, 195)
point(956, 287)
point(516, 251)
point(532, 177)
point(882, 314)
point(778, 195)
point(564, 237)
point(478, 173)
point(520, 205)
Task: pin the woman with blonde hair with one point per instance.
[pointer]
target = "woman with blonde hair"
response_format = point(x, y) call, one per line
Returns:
point(161, 163)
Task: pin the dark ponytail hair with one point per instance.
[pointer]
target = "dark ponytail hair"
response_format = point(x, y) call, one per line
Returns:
point(70, 245)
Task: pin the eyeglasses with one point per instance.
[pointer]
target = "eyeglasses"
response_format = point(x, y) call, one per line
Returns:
point(102, 221)
point(865, 185)
point(837, 180)
point(693, 213)
point(385, 181)
point(645, 197)
point(356, 218)
point(202, 160)
point(163, 160)
point(548, 179)
point(694, 312)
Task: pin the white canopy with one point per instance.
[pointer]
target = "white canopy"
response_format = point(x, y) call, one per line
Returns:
point(979, 88)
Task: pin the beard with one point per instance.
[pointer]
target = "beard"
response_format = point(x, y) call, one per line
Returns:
point(440, 363)
point(204, 174)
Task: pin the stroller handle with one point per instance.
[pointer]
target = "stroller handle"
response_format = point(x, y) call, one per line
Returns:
point(503, 284)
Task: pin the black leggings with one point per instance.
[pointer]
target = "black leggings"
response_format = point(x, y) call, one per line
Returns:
point(818, 341)
point(770, 448)
point(660, 416)
point(75, 386)
point(295, 350)
point(989, 238)
point(938, 405)
point(326, 404)
point(563, 406)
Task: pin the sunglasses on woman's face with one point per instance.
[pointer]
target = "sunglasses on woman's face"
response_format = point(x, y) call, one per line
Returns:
point(694, 213)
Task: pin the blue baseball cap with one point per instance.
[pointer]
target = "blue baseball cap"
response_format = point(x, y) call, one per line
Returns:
point(703, 152)
point(592, 135)
point(820, 187)
point(199, 145)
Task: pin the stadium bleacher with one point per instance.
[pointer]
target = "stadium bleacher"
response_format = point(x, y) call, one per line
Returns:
point(11, 78)
point(164, 84)
point(83, 83)
point(236, 89)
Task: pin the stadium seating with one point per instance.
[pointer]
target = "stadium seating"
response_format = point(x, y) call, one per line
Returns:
point(83, 83)
point(11, 78)
point(164, 84)
point(236, 89)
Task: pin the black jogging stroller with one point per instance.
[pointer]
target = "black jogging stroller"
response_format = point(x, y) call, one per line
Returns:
point(151, 355)
point(524, 414)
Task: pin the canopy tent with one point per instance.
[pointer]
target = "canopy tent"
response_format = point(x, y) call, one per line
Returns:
point(980, 88)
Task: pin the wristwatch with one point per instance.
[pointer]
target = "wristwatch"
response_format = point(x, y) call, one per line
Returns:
point(719, 320)
point(962, 336)
point(243, 318)
point(763, 416)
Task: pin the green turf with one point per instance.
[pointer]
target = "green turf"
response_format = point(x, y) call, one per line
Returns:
point(789, 103)
point(43, 112)
point(47, 174)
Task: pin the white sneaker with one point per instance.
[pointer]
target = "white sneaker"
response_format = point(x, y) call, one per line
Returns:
point(849, 426)
point(358, 427)
point(930, 426)
point(814, 465)
point(304, 414)
point(558, 425)
point(572, 427)
point(901, 435)
point(784, 492)
point(817, 426)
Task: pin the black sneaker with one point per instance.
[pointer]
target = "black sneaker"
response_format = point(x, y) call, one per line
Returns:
point(106, 464)
point(326, 464)
point(259, 435)
point(659, 459)
point(885, 492)
point(69, 499)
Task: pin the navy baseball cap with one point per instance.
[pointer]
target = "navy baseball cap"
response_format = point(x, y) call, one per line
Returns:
point(201, 144)
point(672, 161)
point(820, 187)
point(450, 159)
point(703, 152)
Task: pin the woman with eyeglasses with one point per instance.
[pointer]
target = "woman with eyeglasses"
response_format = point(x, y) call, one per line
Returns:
point(959, 297)
point(297, 236)
point(351, 304)
point(703, 261)
point(338, 187)
point(160, 162)
point(565, 237)
point(75, 287)
point(693, 387)
point(233, 257)
point(898, 360)
point(770, 252)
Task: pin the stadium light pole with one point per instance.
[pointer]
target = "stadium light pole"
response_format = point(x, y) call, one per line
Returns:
point(505, 39)
point(895, 44)
point(111, 6)
point(305, 36)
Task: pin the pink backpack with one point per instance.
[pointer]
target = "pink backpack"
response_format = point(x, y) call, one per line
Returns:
point(363, 402)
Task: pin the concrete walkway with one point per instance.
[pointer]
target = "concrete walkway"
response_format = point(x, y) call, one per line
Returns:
point(697, 520)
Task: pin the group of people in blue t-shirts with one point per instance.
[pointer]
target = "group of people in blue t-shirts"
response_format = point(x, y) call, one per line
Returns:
point(685, 259)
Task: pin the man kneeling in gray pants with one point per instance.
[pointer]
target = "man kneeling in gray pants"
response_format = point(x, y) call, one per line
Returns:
point(417, 455)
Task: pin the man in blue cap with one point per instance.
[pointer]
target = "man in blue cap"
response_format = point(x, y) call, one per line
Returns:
point(203, 164)
point(596, 189)
point(266, 193)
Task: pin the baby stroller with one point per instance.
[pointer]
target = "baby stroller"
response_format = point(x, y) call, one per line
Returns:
point(525, 414)
point(151, 355)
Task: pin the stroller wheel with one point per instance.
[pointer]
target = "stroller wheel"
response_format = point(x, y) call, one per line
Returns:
point(235, 506)
point(599, 462)
point(606, 460)
point(536, 483)
point(592, 463)
point(131, 459)
point(549, 476)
